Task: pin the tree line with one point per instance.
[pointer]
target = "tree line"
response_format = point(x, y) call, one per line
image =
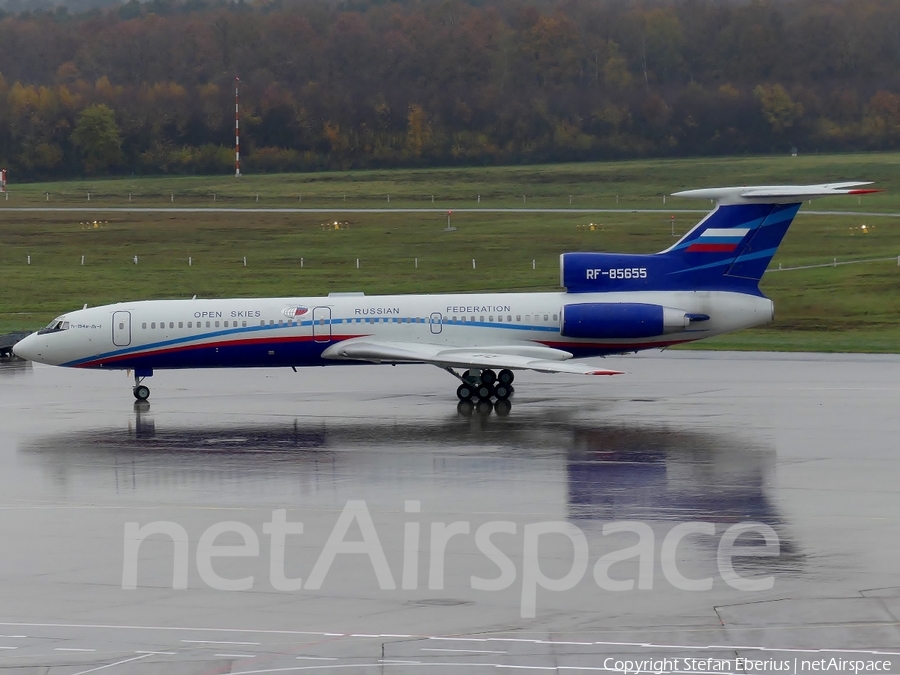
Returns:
point(148, 87)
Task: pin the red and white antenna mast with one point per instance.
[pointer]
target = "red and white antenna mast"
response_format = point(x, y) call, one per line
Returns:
point(2, 180)
point(237, 128)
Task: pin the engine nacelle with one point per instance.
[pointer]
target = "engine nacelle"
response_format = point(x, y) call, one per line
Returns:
point(622, 320)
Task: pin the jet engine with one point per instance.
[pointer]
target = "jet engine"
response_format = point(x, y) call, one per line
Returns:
point(623, 320)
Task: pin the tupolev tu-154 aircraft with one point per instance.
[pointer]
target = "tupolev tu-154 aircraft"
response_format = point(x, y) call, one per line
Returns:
point(706, 284)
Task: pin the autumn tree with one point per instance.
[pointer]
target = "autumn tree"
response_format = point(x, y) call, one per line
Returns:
point(98, 137)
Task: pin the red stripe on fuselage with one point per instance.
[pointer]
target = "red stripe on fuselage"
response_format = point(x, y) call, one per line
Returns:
point(206, 345)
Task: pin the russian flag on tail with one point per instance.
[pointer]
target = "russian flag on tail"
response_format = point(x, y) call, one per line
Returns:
point(718, 240)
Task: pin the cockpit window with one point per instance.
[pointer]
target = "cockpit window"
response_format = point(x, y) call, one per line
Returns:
point(58, 324)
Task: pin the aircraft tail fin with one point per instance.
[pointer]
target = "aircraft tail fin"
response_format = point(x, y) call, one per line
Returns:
point(728, 250)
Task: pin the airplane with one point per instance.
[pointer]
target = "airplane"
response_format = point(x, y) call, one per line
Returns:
point(705, 284)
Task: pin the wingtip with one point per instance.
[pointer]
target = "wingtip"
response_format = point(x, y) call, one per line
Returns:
point(606, 372)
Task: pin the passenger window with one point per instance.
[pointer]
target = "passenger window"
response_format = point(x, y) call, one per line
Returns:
point(243, 324)
point(528, 318)
point(546, 318)
point(271, 322)
point(217, 324)
point(509, 318)
point(262, 322)
point(472, 319)
point(556, 317)
point(207, 324)
point(143, 325)
point(491, 319)
point(481, 318)
point(181, 324)
point(518, 317)
point(279, 322)
point(153, 324)
point(226, 324)
point(190, 324)
point(171, 324)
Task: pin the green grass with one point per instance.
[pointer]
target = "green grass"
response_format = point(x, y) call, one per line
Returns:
point(845, 308)
point(639, 183)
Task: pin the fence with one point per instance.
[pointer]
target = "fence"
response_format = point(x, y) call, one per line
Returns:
point(358, 262)
point(834, 263)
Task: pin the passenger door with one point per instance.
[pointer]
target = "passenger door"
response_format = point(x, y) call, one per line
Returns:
point(321, 320)
point(437, 322)
point(121, 329)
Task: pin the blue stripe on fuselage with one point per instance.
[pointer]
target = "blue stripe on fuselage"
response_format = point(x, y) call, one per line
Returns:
point(196, 343)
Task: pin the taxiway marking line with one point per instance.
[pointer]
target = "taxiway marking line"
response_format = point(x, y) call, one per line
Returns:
point(750, 648)
point(161, 653)
point(110, 665)
point(464, 651)
point(237, 656)
point(73, 649)
point(362, 665)
point(220, 642)
point(168, 628)
point(646, 645)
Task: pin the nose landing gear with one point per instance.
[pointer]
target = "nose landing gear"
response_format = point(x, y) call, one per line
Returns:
point(484, 384)
point(141, 391)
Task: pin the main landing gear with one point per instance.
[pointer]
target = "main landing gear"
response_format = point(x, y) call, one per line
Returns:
point(484, 384)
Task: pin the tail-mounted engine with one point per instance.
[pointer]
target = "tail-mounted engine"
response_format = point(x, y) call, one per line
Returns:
point(623, 320)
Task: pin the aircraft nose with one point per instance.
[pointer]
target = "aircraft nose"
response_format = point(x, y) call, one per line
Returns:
point(28, 348)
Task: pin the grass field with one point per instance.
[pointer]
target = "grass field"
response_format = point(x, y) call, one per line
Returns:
point(590, 185)
point(843, 308)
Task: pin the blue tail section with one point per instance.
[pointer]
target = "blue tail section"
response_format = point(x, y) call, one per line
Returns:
point(728, 250)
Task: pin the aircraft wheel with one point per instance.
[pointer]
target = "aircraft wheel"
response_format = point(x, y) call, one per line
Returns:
point(488, 376)
point(506, 376)
point(484, 407)
point(465, 391)
point(484, 392)
point(141, 392)
point(502, 392)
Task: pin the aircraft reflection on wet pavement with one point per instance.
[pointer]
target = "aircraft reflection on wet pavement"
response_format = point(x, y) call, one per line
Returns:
point(612, 471)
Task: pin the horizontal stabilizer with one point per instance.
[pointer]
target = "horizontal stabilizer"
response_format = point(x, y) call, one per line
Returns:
point(524, 357)
point(775, 194)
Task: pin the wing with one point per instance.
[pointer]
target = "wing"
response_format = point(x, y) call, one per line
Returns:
point(514, 357)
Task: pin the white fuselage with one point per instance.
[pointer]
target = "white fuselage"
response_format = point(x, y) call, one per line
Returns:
point(254, 332)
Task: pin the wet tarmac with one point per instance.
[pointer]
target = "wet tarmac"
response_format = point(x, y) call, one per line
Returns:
point(701, 509)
